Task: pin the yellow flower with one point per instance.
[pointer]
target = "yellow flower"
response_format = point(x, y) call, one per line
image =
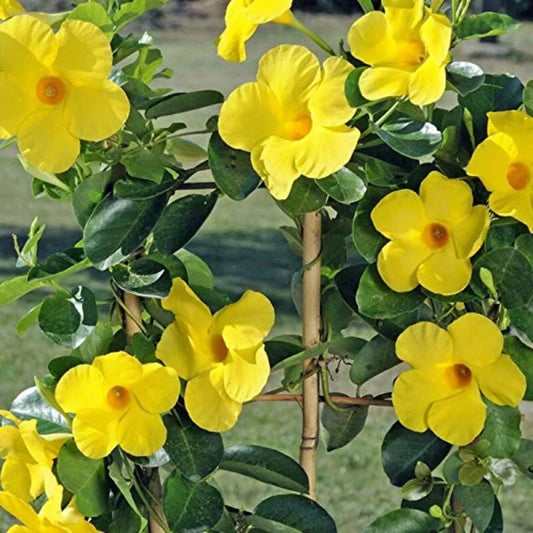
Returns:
point(407, 48)
point(117, 401)
point(504, 164)
point(292, 119)
point(450, 369)
point(50, 519)
point(432, 235)
point(9, 8)
point(242, 19)
point(55, 89)
point(222, 356)
point(28, 457)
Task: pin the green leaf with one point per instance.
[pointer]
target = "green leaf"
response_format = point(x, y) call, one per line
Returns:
point(409, 138)
point(231, 169)
point(464, 77)
point(143, 277)
point(351, 88)
point(117, 226)
point(28, 255)
point(143, 164)
point(485, 25)
point(14, 288)
point(376, 300)
point(135, 189)
point(186, 151)
point(496, 522)
point(68, 319)
point(190, 506)
point(404, 521)
point(402, 449)
point(522, 355)
point(45, 177)
point(198, 272)
point(478, 503)
point(522, 319)
point(182, 102)
point(281, 348)
point(129, 11)
point(143, 348)
point(502, 430)
point(366, 5)
point(524, 457)
point(72, 260)
point(28, 320)
point(451, 467)
point(344, 186)
point(59, 365)
point(266, 465)
point(347, 347)
point(528, 97)
point(88, 195)
point(344, 425)
point(97, 343)
point(305, 196)
point(376, 356)
point(84, 477)
point(95, 14)
point(180, 221)
point(195, 452)
point(291, 513)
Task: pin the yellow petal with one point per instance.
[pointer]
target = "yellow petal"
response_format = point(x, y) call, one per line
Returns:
point(95, 432)
point(516, 124)
point(15, 104)
point(400, 214)
point(11, 441)
point(82, 47)
point(446, 200)
point(328, 104)
point(96, 110)
point(46, 143)
point(502, 382)
point(140, 433)
point(404, 16)
point(158, 389)
point(370, 41)
point(119, 368)
point(244, 380)
point(182, 301)
point(427, 83)
point(16, 478)
point(8, 8)
point(491, 160)
point(80, 388)
point(469, 235)
point(398, 263)
point(444, 273)
point(292, 73)
point(436, 34)
point(254, 311)
point(458, 419)
point(384, 82)
point(413, 393)
point(481, 349)
point(424, 345)
point(43, 448)
point(19, 509)
point(262, 11)
point(208, 404)
point(516, 204)
point(230, 44)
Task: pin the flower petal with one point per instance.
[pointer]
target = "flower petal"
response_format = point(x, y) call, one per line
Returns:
point(43, 448)
point(262, 11)
point(184, 303)
point(238, 30)
point(384, 82)
point(424, 345)
point(208, 404)
point(445, 273)
point(18, 508)
point(15, 104)
point(436, 34)
point(458, 419)
point(469, 235)
point(516, 124)
point(502, 382)
point(95, 432)
point(80, 388)
point(119, 368)
point(8, 8)
point(446, 200)
point(11, 441)
point(243, 379)
point(45, 141)
point(427, 83)
point(158, 389)
point(404, 16)
point(17, 479)
point(108, 110)
point(481, 349)
point(516, 204)
point(140, 433)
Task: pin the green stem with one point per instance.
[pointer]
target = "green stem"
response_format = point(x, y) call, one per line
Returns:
point(381, 119)
point(295, 23)
point(325, 388)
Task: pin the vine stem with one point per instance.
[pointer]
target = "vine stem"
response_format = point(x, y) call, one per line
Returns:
point(132, 325)
point(312, 233)
point(338, 400)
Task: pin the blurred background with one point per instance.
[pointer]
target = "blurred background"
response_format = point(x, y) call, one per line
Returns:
point(244, 248)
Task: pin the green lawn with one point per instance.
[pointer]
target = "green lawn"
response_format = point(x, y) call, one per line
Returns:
point(243, 247)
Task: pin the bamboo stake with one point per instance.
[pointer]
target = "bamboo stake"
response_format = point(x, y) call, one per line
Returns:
point(312, 228)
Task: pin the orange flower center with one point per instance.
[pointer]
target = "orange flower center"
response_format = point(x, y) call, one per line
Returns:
point(435, 235)
point(518, 176)
point(219, 348)
point(299, 127)
point(411, 53)
point(50, 90)
point(458, 376)
point(118, 397)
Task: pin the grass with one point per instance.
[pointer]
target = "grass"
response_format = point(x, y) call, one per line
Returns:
point(243, 247)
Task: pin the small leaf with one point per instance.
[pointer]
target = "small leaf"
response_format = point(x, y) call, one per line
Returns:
point(478, 503)
point(344, 186)
point(185, 150)
point(415, 490)
point(344, 425)
point(409, 138)
point(143, 277)
point(143, 164)
point(351, 88)
point(28, 320)
point(464, 77)
point(305, 196)
point(404, 521)
point(95, 14)
point(182, 102)
point(502, 430)
point(484, 25)
point(376, 356)
point(198, 272)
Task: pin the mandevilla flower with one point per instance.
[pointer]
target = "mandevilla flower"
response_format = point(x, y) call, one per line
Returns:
point(50, 519)
point(242, 19)
point(407, 48)
point(55, 89)
point(450, 369)
point(117, 401)
point(9, 8)
point(504, 164)
point(432, 235)
point(292, 119)
point(222, 356)
point(28, 457)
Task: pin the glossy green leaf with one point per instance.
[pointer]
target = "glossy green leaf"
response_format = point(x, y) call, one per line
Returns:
point(524, 457)
point(95, 14)
point(144, 164)
point(522, 355)
point(402, 449)
point(484, 25)
point(198, 272)
point(129, 11)
point(282, 348)
point(351, 88)
point(143, 277)
point(182, 102)
point(344, 425)
point(464, 77)
point(404, 521)
point(71, 260)
point(136, 189)
point(409, 138)
point(376, 356)
point(496, 522)
point(28, 320)
point(528, 97)
point(305, 196)
point(97, 343)
point(59, 365)
point(88, 195)
point(502, 430)
point(347, 347)
point(266, 465)
point(344, 186)
point(478, 503)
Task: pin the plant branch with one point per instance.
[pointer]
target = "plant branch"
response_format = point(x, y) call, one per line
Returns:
point(336, 399)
